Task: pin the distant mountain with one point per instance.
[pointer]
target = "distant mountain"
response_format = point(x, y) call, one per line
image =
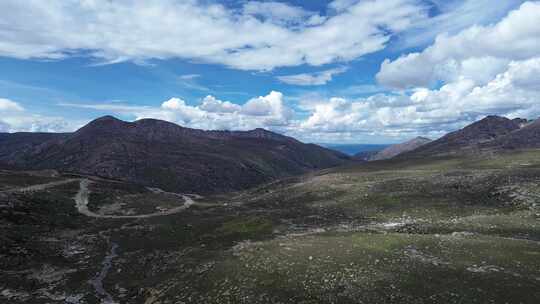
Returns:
point(354, 149)
point(398, 149)
point(163, 154)
point(471, 138)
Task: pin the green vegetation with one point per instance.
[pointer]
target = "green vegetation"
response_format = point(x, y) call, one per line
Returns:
point(10, 179)
point(251, 227)
point(382, 268)
point(450, 230)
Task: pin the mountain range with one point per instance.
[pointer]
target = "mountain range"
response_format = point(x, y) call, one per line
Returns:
point(160, 153)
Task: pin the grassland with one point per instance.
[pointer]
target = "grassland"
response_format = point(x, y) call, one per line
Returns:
point(452, 230)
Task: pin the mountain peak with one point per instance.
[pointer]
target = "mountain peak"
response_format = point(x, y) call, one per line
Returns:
point(153, 121)
point(160, 153)
point(106, 118)
point(522, 122)
point(471, 137)
point(103, 124)
point(489, 120)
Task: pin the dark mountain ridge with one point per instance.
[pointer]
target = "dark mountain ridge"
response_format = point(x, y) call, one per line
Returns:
point(163, 154)
point(493, 133)
point(526, 137)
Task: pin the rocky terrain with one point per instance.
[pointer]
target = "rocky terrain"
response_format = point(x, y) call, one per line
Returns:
point(398, 149)
point(454, 230)
point(162, 154)
point(459, 228)
point(526, 137)
point(477, 137)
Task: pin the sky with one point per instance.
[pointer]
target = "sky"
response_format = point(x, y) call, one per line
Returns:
point(341, 71)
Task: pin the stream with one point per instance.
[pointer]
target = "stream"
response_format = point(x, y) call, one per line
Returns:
point(97, 281)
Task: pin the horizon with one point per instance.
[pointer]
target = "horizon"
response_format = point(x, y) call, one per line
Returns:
point(339, 146)
point(323, 144)
point(411, 68)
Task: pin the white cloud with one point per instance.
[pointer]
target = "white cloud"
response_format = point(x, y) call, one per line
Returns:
point(270, 105)
point(341, 5)
point(191, 82)
point(513, 93)
point(8, 105)
point(313, 79)
point(173, 104)
point(189, 76)
point(482, 70)
point(378, 118)
point(213, 105)
point(478, 53)
point(454, 16)
point(267, 111)
point(462, 77)
point(277, 12)
point(115, 31)
point(15, 118)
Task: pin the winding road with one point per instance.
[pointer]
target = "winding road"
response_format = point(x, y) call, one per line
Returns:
point(82, 199)
point(41, 187)
point(81, 204)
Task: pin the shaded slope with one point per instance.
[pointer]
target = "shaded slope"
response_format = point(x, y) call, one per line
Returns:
point(526, 137)
point(470, 138)
point(398, 149)
point(154, 152)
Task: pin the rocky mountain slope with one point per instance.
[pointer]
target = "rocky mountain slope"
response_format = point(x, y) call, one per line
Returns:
point(526, 137)
point(490, 132)
point(159, 153)
point(398, 149)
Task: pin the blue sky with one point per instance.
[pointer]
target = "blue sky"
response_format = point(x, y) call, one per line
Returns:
point(344, 71)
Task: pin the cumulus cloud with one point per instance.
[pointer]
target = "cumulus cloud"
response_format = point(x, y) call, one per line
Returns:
point(313, 79)
point(461, 77)
point(482, 70)
point(15, 118)
point(256, 37)
point(267, 111)
point(431, 112)
point(478, 53)
point(213, 105)
point(382, 117)
point(173, 104)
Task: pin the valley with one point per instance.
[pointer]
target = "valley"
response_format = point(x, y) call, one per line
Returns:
point(269, 152)
point(434, 230)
